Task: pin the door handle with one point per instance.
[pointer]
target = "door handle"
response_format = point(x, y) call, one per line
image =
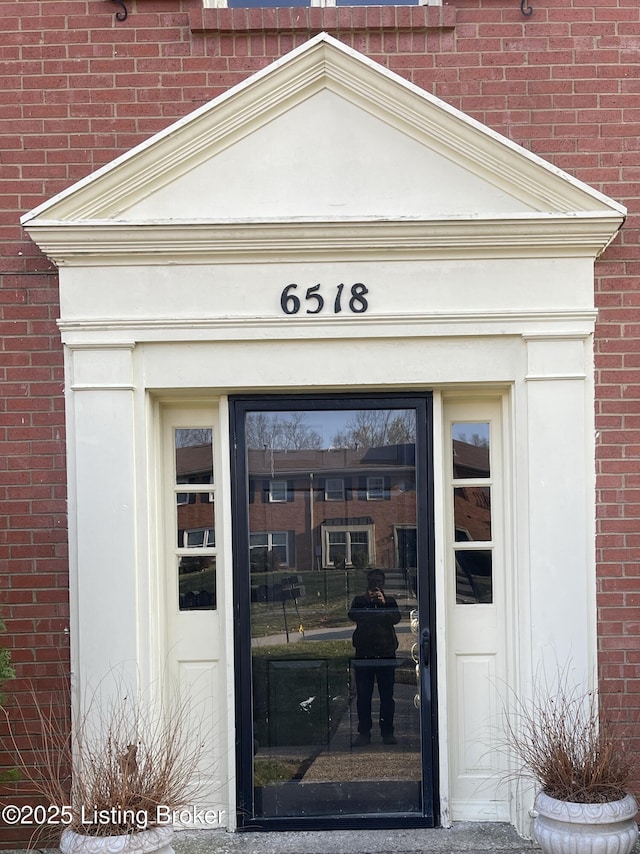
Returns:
point(425, 647)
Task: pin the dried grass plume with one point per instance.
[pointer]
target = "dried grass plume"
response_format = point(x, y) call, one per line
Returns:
point(566, 739)
point(125, 754)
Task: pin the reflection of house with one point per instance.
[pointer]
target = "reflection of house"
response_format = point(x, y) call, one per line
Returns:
point(472, 521)
point(196, 517)
point(472, 502)
point(337, 507)
point(314, 509)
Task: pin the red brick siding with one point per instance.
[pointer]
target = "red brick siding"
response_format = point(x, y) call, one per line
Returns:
point(79, 88)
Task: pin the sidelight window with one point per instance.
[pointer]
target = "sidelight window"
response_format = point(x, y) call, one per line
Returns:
point(194, 518)
point(472, 488)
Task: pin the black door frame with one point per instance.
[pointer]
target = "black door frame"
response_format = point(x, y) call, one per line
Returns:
point(239, 406)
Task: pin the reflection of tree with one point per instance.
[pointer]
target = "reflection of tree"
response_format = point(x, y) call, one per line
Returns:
point(190, 437)
point(475, 439)
point(365, 429)
point(371, 428)
point(280, 433)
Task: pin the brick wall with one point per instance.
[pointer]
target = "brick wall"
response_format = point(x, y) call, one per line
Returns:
point(79, 87)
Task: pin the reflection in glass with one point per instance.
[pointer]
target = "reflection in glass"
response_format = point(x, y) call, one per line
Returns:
point(197, 583)
point(472, 513)
point(331, 496)
point(268, 550)
point(474, 581)
point(195, 520)
point(194, 455)
point(471, 446)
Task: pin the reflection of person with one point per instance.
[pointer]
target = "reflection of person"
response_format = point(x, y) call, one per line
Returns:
point(375, 614)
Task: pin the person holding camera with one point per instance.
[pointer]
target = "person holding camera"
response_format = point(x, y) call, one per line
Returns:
point(375, 614)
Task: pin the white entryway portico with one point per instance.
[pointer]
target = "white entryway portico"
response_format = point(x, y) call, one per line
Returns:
point(327, 237)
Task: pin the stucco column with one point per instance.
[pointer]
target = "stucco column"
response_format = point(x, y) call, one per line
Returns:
point(102, 512)
point(561, 501)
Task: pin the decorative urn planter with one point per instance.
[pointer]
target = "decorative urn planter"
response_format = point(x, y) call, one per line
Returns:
point(155, 840)
point(564, 827)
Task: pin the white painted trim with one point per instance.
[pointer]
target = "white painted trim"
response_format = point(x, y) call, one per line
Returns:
point(439, 529)
point(100, 242)
point(223, 459)
point(78, 331)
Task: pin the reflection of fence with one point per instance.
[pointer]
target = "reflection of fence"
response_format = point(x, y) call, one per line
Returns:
point(197, 583)
point(289, 589)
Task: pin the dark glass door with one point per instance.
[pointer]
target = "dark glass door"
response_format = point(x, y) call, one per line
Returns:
point(334, 605)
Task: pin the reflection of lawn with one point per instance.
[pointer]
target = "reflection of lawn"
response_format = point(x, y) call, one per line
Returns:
point(326, 599)
point(266, 771)
point(330, 650)
point(194, 582)
point(305, 649)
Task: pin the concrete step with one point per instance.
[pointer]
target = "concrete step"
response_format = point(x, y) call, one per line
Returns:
point(463, 838)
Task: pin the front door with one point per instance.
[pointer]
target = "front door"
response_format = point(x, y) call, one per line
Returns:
point(334, 611)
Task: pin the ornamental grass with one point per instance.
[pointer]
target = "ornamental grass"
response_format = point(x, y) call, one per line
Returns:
point(120, 767)
point(566, 739)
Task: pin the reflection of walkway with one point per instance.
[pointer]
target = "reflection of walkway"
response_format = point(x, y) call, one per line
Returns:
point(335, 633)
point(406, 601)
point(340, 762)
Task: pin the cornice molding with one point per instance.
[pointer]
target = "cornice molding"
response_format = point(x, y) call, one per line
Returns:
point(556, 324)
point(130, 243)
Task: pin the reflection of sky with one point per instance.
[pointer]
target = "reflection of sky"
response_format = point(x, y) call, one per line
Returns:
point(326, 422)
point(464, 431)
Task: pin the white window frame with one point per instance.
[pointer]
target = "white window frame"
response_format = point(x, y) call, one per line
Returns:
point(270, 544)
point(335, 493)
point(348, 530)
point(372, 491)
point(208, 540)
point(273, 497)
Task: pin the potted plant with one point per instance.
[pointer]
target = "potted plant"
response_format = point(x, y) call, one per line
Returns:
point(115, 779)
point(567, 742)
point(6, 673)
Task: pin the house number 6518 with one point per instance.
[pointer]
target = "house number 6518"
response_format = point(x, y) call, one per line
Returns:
point(357, 302)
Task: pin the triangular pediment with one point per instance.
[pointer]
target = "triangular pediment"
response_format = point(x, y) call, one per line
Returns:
point(324, 135)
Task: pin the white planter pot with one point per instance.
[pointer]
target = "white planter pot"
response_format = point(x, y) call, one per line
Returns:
point(155, 840)
point(562, 827)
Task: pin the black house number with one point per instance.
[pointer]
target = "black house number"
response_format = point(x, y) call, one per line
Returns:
point(354, 299)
